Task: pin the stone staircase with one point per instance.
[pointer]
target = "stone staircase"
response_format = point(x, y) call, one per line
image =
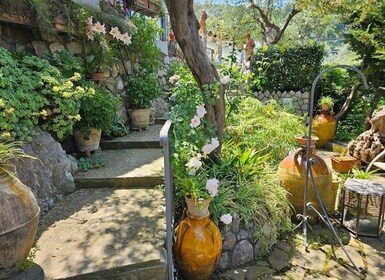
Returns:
point(113, 226)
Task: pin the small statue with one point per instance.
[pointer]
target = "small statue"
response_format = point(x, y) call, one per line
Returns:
point(202, 22)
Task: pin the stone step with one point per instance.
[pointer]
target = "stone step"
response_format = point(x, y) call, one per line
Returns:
point(104, 234)
point(161, 121)
point(146, 139)
point(337, 146)
point(127, 168)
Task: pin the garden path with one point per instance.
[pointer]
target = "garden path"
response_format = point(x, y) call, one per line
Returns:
point(113, 226)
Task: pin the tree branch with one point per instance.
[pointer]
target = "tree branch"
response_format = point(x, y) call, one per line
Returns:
point(279, 34)
point(348, 103)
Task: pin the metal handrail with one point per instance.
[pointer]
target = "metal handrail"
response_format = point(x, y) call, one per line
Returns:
point(168, 184)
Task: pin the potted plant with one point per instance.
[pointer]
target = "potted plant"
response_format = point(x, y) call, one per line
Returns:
point(324, 124)
point(141, 90)
point(97, 112)
point(19, 216)
point(343, 163)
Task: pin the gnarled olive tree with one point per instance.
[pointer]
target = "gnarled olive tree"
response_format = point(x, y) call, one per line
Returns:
point(186, 29)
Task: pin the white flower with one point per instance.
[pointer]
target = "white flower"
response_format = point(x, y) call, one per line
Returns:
point(125, 38)
point(226, 219)
point(247, 65)
point(201, 111)
point(194, 164)
point(208, 148)
point(215, 143)
point(212, 186)
point(173, 79)
point(195, 122)
point(99, 28)
point(114, 32)
point(225, 80)
point(247, 73)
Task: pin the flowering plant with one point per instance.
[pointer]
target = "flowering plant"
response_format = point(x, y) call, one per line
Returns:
point(193, 158)
point(103, 44)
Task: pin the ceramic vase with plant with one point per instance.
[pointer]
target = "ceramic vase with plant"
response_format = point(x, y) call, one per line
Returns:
point(97, 112)
point(19, 213)
point(141, 90)
point(324, 124)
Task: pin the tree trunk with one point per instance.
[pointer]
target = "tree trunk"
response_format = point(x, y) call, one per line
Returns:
point(348, 103)
point(185, 26)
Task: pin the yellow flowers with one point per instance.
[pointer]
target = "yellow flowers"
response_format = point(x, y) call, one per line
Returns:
point(10, 110)
point(5, 134)
point(2, 104)
point(67, 94)
point(77, 117)
point(43, 113)
point(75, 77)
point(55, 88)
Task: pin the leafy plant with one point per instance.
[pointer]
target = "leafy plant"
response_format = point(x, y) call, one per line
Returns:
point(326, 101)
point(29, 262)
point(119, 129)
point(142, 89)
point(86, 164)
point(97, 110)
point(66, 62)
point(10, 151)
point(289, 68)
point(34, 93)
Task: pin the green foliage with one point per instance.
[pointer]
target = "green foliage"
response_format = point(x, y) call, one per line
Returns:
point(353, 124)
point(66, 62)
point(10, 151)
point(142, 89)
point(326, 100)
point(29, 262)
point(98, 109)
point(86, 164)
point(288, 68)
point(33, 92)
point(119, 129)
point(143, 48)
point(268, 128)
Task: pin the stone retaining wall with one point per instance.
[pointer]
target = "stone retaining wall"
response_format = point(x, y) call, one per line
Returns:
point(240, 245)
point(297, 100)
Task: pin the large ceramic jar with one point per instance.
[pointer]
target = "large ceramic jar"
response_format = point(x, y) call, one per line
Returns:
point(324, 127)
point(19, 217)
point(197, 246)
point(292, 175)
point(87, 143)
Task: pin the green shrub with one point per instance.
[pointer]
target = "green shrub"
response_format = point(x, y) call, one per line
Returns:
point(142, 89)
point(265, 127)
point(97, 110)
point(32, 92)
point(288, 68)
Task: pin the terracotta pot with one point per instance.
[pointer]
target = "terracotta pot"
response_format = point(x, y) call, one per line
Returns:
point(19, 217)
point(140, 118)
point(292, 175)
point(197, 247)
point(97, 76)
point(324, 127)
point(87, 143)
point(197, 208)
point(343, 163)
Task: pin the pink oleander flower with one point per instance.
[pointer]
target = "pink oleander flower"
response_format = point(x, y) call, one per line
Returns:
point(212, 186)
point(225, 80)
point(114, 32)
point(90, 35)
point(89, 21)
point(195, 122)
point(99, 28)
point(226, 219)
point(125, 38)
point(173, 79)
point(201, 111)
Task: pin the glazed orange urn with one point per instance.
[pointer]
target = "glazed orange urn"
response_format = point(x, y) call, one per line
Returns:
point(292, 175)
point(324, 127)
point(197, 247)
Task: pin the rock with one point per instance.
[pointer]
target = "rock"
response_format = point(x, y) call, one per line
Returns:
point(122, 114)
point(234, 274)
point(56, 47)
point(224, 260)
point(120, 84)
point(40, 48)
point(256, 271)
point(243, 253)
point(243, 234)
point(236, 223)
point(20, 48)
point(159, 107)
point(33, 273)
point(50, 176)
point(229, 240)
point(74, 47)
point(278, 259)
point(128, 67)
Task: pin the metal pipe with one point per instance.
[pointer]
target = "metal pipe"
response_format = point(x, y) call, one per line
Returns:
point(168, 184)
